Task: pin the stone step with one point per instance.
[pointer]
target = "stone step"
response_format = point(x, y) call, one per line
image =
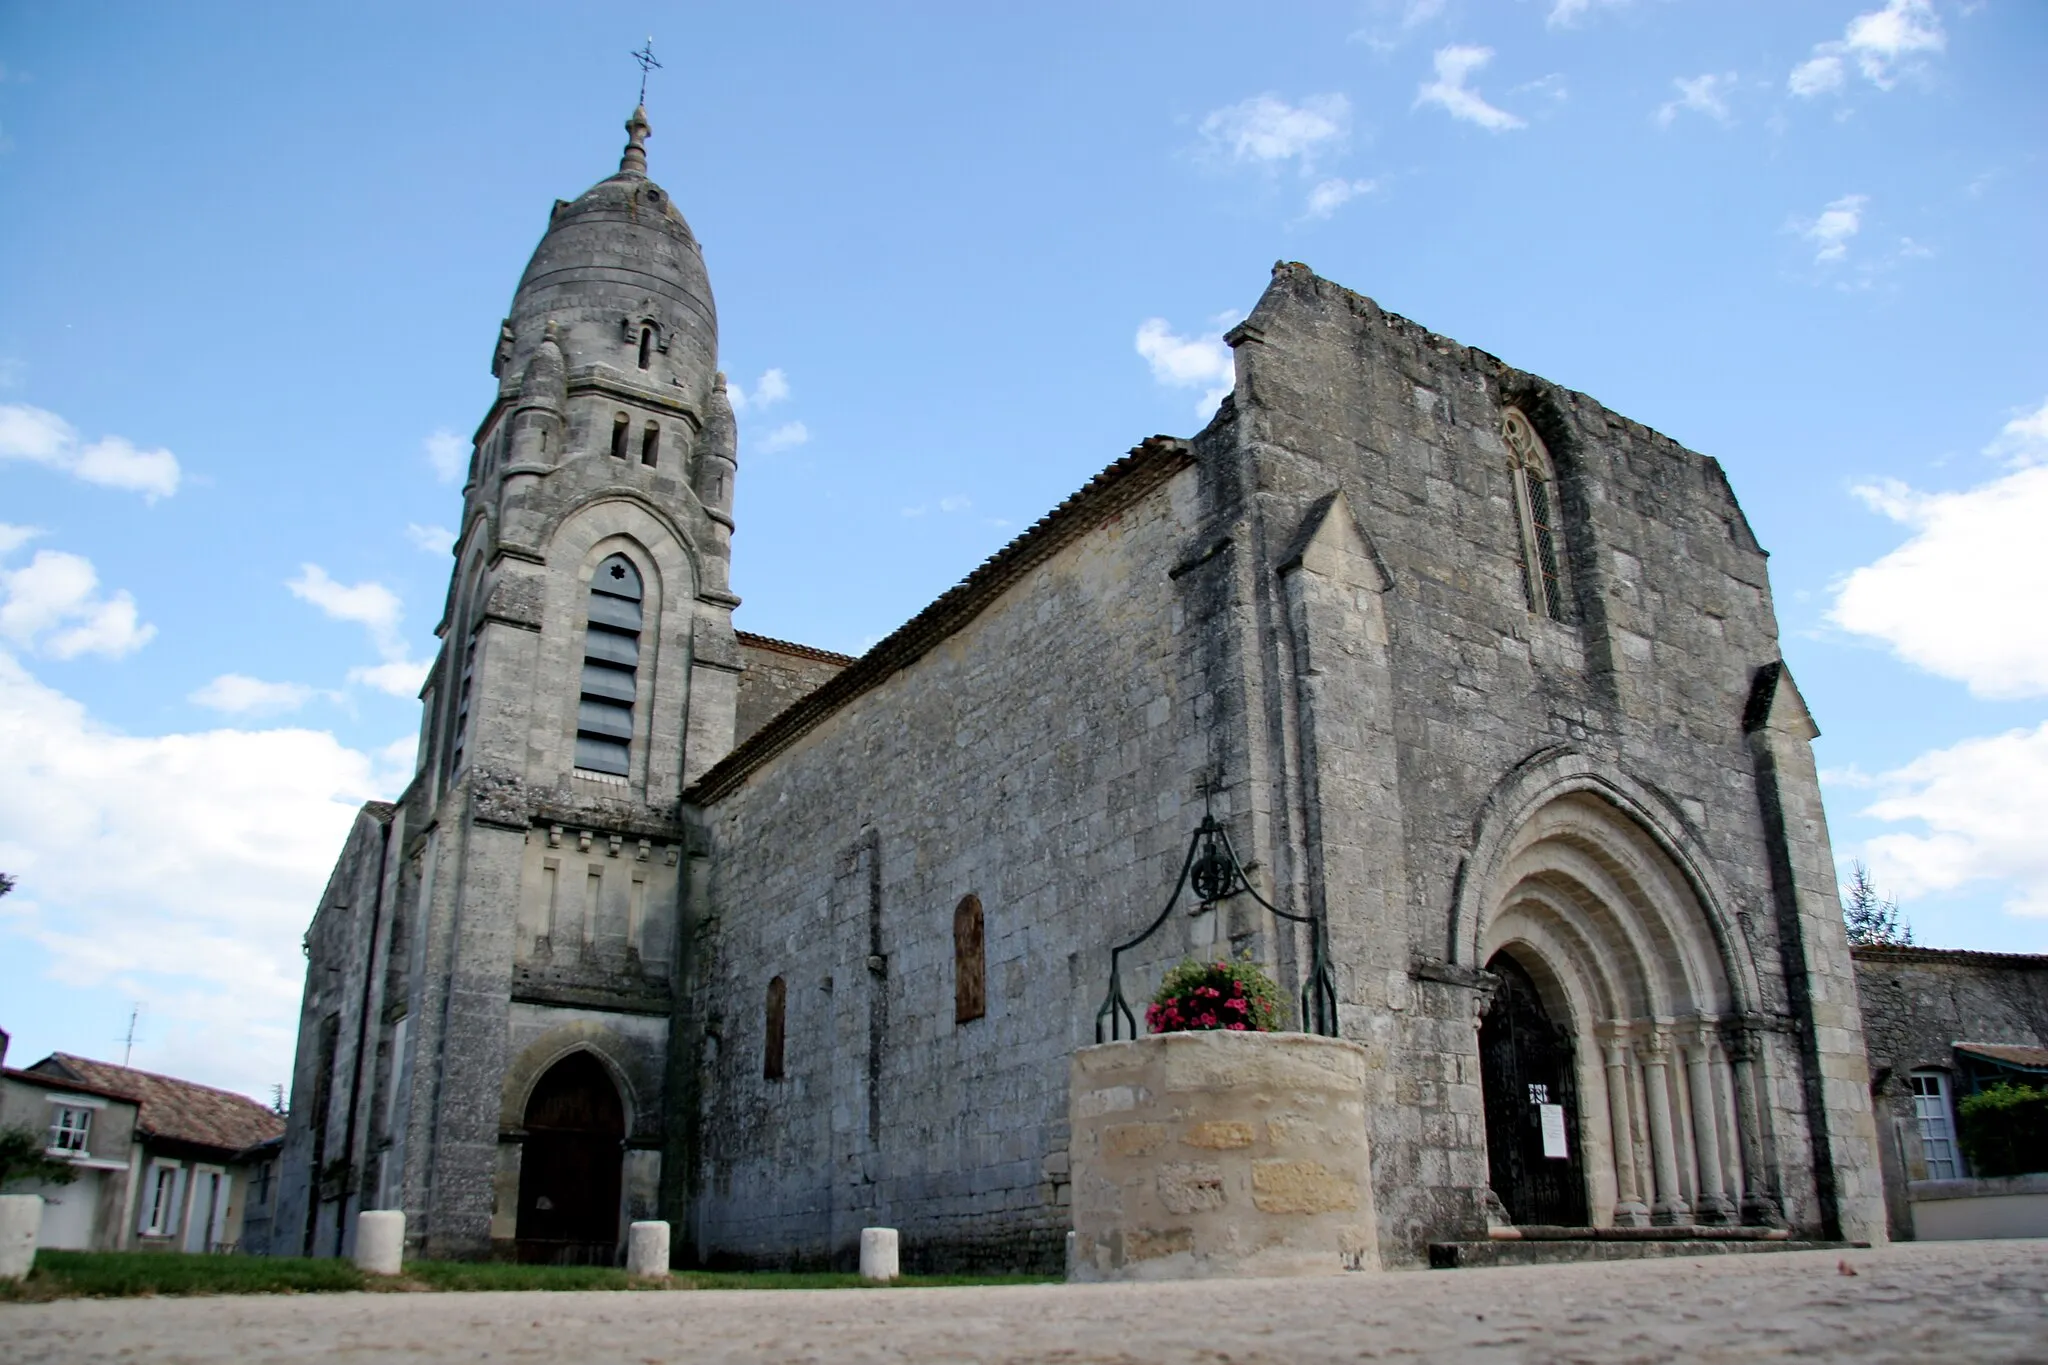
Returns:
point(1563, 1251)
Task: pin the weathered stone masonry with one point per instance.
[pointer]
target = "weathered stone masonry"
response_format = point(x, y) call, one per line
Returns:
point(1463, 700)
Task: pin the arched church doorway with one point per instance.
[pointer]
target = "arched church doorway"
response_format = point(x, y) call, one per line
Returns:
point(569, 1170)
point(1532, 1104)
point(1621, 1003)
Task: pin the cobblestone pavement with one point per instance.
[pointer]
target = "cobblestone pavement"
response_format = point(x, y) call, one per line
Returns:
point(1957, 1303)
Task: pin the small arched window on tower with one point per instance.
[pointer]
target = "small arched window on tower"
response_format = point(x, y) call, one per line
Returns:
point(646, 344)
point(650, 445)
point(970, 961)
point(622, 428)
point(1535, 479)
point(771, 1052)
point(611, 665)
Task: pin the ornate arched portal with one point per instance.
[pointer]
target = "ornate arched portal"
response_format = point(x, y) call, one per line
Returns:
point(1599, 934)
point(570, 1167)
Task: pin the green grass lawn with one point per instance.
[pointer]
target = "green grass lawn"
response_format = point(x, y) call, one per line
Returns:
point(128, 1274)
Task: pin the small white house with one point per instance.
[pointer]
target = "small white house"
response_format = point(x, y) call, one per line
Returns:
point(160, 1163)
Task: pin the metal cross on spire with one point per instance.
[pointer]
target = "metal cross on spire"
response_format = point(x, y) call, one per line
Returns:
point(645, 56)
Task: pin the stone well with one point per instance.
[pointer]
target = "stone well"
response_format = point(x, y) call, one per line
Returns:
point(1220, 1154)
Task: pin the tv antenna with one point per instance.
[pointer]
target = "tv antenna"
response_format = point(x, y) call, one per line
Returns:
point(645, 56)
point(128, 1043)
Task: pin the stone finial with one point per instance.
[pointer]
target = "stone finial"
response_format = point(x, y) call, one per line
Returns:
point(634, 162)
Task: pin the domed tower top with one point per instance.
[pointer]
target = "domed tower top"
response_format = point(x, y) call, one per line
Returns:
point(621, 277)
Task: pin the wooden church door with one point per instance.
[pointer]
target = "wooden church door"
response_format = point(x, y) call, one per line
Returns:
point(570, 1168)
point(1532, 1109)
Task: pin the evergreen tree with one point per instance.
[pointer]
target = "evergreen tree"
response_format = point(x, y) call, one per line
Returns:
point(1874, 920)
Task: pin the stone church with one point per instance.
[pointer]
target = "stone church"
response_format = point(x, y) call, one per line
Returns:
point(676, 921)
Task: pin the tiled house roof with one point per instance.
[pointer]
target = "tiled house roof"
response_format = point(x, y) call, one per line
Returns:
point(171, 1109)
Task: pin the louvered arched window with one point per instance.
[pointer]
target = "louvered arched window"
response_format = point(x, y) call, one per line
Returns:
point(611, 666)
point(1535, 479)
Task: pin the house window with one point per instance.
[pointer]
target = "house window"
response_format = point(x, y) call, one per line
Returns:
point(1937, 1125)
point(163, 1201)
point(621, 433)
point(1535, 479)
point(259, 1191)
point(771, 1054)
point(611, 664)
point(650, 444)
point(68, 1129)
point(970, 962)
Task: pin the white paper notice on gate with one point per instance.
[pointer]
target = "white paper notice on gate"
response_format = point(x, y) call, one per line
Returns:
point(1553, 1130)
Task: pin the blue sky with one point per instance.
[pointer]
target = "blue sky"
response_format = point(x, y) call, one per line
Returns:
point(252, 261)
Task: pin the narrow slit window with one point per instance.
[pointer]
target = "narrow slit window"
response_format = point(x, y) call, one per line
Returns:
point(622, 432)
point(646, 346)
point(462, 707)
point(611, 666)
point(970, 961)
point(650, 445)
point(1535, 480)
point(771, 1052)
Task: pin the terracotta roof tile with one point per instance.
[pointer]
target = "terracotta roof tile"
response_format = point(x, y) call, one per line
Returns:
point(180, 1111)
point(2012, 1054)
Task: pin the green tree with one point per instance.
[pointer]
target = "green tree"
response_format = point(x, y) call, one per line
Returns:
point(22, 1158)
point(1874, 920)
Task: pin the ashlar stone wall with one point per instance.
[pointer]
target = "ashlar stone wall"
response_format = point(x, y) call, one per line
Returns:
point(1045, 759)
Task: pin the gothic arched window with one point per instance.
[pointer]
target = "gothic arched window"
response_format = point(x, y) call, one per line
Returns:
point(646, 345)
point(1535, 480)
point(771, 1053)
point(611, 663)
point(970, 961)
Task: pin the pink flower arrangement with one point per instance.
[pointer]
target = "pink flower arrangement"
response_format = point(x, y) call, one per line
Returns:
point(1235, 995)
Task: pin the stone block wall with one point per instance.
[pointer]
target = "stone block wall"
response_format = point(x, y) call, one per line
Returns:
point(1044, 758)
point(1917, 1004)
point(778, 675)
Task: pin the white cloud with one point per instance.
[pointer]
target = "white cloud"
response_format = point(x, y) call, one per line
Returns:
point(1267, 131)
point(1706, 94)
point(1831, 231)
point(179, 870)
point(377, 609)
point(788, 436)
point(1882, 43)
point(435, 540)
point(53, 606)
point(1449, 91)
point(1198, 362)
point(1330, 195)
point(44, 438)
point(1821, 75)
point(401, 678)
point(771, 388)
point(240, 695)
point(1961, 598)
point(1565, 13)
point(447, 455)
point(1982, 805)
point(12, 538)
point(368, 604)
point(2022, 441)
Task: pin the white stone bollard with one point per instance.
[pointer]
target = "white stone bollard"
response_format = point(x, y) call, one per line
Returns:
point(878, 1261)
point(380, 1241)
point(21, 1221)
point(647, 1250)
